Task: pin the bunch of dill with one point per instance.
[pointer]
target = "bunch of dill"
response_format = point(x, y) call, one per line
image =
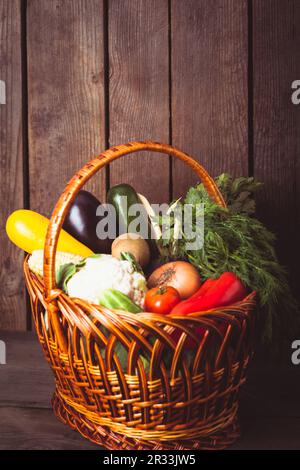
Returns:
point(236, 241)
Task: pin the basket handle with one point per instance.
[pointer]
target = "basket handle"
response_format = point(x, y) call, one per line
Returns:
point(86, 172)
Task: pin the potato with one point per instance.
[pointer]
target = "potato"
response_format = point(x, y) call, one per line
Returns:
point(135, 245)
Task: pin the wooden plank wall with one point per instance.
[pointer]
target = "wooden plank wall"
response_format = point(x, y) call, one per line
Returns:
point(65, 95)
point(209, 86)
point(276, 123)
point(12, 292)
point(213, 78)
point(139, 91)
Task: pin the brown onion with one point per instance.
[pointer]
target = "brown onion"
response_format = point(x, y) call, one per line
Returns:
point(181, 275)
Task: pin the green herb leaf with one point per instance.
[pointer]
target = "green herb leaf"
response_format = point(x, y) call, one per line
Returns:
point(236, 241)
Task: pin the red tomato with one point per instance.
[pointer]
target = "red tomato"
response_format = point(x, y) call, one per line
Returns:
point(161, 299)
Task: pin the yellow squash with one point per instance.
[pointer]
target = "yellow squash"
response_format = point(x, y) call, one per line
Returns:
point(27, 229)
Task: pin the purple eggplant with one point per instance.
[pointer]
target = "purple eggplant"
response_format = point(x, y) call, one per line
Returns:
point(81, 222)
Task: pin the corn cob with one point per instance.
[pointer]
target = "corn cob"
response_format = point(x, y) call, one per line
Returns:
point(35, 261)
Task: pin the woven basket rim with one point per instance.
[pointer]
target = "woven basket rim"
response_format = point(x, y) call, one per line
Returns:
point(248, 299)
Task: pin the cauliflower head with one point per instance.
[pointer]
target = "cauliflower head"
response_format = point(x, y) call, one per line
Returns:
point(107, 272)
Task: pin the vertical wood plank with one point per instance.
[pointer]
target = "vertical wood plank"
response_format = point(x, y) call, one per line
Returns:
point(12, 292)
point(139, 91)
point(276, 62)
point(209, 86)
point(66, 95)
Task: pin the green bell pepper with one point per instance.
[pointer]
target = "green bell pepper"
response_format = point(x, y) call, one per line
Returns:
point(112, 298)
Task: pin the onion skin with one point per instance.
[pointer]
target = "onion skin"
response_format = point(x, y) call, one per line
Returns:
point(181, 275)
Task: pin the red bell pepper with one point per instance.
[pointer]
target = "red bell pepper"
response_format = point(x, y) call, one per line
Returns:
point(204, 288)
point(225, 290)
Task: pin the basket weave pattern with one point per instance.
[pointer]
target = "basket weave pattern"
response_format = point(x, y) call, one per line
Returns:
point(124, 380)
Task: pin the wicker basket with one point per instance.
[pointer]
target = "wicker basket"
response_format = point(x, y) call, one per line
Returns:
point(179, 400)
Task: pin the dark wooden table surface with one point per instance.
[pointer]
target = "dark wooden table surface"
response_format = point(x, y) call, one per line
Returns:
point(269, 411)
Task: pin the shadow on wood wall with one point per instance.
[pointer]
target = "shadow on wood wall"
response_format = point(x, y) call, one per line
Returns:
point(213, 78)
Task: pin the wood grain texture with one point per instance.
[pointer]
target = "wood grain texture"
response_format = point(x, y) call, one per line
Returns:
point(26, 379)
point(269, 434)
point(12, 291)
point(139, 91)
point(276, 58)
point(34, 429)
point(209, 86)
point(66, 96)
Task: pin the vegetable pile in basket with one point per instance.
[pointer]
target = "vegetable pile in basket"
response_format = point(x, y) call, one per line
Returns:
point(164, 276)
